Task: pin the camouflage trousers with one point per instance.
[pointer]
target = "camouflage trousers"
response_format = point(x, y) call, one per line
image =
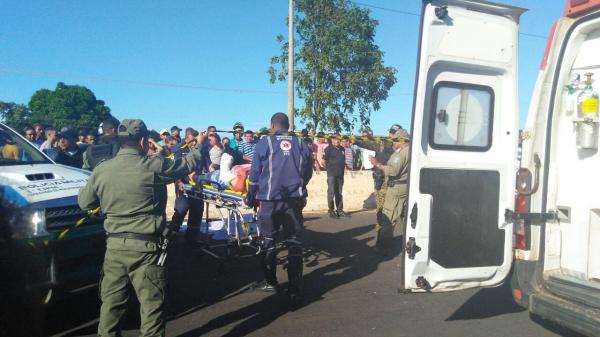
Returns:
point(128, 263)
point(380, 200)
point(390, 212)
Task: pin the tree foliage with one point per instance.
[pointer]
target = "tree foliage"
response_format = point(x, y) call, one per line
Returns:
point(72, 106)
point(15, 115)
point(339, 70)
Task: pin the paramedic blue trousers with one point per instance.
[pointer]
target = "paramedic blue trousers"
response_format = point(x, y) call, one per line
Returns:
point(282, 218)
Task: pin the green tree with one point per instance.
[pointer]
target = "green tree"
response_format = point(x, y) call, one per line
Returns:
point(15, 115)
point(339, 70)
point(72, 106)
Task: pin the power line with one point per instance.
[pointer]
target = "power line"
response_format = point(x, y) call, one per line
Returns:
point(393, 10)
point(534, 35)
point(388, 9)
point(138, 82)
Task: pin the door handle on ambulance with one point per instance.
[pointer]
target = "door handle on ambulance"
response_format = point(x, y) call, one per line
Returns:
point(413, 216)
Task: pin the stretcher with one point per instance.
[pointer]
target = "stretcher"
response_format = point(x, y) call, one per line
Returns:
point(234, 232)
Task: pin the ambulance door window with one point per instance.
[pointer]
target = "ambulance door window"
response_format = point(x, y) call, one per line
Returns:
point(462, 117)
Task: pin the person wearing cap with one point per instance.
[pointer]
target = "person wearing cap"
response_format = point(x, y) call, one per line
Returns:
point(396, 175)
point(383, 150)
point(106, 147)
point(234, 144)
point(69, 153)
point(130, 189)
point(163, 135)
point(175, 132)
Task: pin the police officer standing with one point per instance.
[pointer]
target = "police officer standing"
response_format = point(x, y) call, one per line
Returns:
point(396, 175)
point(281, 169)
point(130, 189)
point(383, 150)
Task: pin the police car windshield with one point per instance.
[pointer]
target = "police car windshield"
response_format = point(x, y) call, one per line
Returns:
point(15, 150)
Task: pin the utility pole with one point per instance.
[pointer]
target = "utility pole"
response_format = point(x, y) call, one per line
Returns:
point(291, 66)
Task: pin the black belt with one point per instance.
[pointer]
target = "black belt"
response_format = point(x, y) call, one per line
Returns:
point(396, 182)
point(134, 236)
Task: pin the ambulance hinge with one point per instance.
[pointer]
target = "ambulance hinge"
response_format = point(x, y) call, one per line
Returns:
point(411, 248)
point(530, 218)
point(423, 283)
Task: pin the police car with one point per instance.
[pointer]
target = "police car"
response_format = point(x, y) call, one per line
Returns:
point(61, 246)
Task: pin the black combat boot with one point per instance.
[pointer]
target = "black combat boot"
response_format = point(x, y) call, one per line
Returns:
point(294, 297)
point(269, 266)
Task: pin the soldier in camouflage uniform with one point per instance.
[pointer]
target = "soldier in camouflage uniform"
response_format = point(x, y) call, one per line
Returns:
point(383, 150)
point(130, 189)
point(396, 175)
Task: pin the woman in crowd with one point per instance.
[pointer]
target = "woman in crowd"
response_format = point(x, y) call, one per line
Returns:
point(215, 152)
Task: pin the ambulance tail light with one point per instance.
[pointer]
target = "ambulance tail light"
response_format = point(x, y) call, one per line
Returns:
point(522, 228)
point(577, 8)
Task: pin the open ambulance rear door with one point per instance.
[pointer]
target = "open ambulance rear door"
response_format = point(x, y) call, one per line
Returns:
point(464, 147)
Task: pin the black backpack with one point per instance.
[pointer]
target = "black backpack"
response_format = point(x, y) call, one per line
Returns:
point(98, 153)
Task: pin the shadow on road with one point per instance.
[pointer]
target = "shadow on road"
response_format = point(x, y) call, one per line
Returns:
point(194, 283)
point(555, 328)
point(339, 258)
point(487, 303)
point(497, 301)
point(334, 259)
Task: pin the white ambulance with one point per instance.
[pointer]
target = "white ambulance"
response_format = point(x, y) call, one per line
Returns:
point(467, 225)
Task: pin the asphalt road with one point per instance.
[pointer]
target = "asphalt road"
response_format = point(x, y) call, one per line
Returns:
point(349, 291)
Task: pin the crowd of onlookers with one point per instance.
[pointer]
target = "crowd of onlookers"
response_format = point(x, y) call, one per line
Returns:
point(356, 158)
point(225, 159)
point(70, 145)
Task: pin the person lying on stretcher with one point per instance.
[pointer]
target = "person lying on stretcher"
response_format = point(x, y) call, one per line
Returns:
point(233, 177)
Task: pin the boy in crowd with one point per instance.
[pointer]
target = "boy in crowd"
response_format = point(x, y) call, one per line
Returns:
point(81, 137)
point(349, 154)
point(163, 135)
point(50, 139)
point(69, 153)
point(39, 133)
point(175, 130)
point(321, 145)
point(246, 148)
point(29, 134)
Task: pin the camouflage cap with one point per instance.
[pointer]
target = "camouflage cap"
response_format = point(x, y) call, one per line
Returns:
point(401, 134)
point(395, 128)
point(133, 128)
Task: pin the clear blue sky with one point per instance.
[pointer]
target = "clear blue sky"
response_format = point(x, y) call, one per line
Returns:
point(169, 61)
